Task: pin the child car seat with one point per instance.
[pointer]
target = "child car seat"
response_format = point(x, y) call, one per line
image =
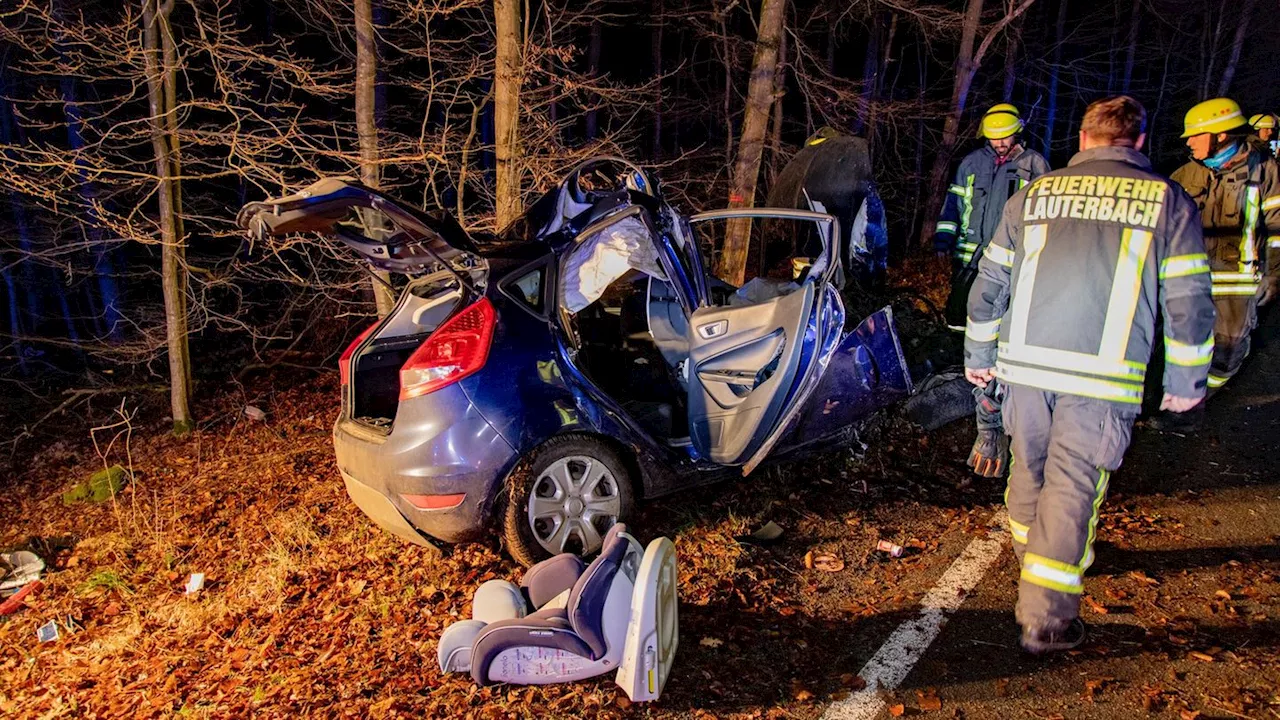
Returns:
point(567, 622)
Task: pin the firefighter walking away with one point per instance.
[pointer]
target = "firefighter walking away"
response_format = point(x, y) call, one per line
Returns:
point(970, 213)
point(1063, 313)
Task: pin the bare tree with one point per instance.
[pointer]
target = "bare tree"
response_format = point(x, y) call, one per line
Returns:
point(367, 129)
point(764, 69)
point(507, 78)
point(160, 56)
point(1237, 45)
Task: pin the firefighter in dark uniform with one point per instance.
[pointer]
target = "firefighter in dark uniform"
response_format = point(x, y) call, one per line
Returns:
point(984, 180)
point(1063, 313)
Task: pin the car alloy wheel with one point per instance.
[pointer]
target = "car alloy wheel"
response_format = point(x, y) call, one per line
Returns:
point(573, 503)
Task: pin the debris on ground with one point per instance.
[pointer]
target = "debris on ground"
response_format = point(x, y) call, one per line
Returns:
point(18, 568)
point(47, 632)
point(15, 601)
point(195, 583)
point(768, 533)
point(254, 412)
point(888, 547)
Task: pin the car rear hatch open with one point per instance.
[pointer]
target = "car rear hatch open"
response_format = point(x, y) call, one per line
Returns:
point(445, 271)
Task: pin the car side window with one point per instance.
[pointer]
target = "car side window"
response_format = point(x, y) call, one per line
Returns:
point(528, 288)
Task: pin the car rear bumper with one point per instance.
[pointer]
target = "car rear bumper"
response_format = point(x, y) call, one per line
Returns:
point(440, 445)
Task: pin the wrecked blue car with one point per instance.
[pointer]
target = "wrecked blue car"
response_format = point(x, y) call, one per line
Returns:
point(539, 382)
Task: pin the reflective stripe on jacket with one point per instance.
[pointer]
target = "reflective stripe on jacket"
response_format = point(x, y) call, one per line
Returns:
point(1240, 209)
point(974, 201)
point(1066, 293)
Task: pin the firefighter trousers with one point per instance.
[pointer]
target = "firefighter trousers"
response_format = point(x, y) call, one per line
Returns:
point(1064, 450)
point(1237, 317)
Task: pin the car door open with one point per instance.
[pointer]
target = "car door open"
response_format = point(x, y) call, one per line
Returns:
point(755, 353)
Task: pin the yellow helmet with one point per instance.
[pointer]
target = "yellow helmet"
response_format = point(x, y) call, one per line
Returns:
point(1262, 120)
point(1005, 108)
point(1212, 116)
point(1002, 124)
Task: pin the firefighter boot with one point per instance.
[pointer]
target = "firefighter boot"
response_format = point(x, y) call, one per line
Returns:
point(990, 454)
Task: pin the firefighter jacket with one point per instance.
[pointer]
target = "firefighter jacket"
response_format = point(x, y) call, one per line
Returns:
point(972, 207)
point(1240, 208)
point(1066, 294)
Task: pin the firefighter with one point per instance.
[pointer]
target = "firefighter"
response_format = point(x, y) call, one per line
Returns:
point(984, 181)
point(1237, 189)
point(1264, 127)
point(1063, 313)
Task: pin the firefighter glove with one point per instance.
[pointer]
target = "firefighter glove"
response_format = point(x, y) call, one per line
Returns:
point(990, 454)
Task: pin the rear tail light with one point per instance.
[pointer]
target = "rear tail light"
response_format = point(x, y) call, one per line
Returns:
point(344, 360)
point(455, 350)
point(434, 502)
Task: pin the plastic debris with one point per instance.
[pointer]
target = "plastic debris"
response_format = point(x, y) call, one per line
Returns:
point(14, 603)
point(17, 569)
point(767, 533)
point(48, 632)
point(254, 413)
point(195, 583)
point(892, 548)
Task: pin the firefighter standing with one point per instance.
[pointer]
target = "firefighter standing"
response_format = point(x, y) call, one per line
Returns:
point(1264, 127)
point(984, 181)
point(1237, 188)
point(1063, 313)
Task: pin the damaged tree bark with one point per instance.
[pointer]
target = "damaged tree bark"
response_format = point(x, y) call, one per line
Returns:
point(160, 57)
point(367, 131)
point(506, 110)
point(742, 190)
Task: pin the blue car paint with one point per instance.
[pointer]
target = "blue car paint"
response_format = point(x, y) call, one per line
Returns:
point(441, 445)
point(467, 437)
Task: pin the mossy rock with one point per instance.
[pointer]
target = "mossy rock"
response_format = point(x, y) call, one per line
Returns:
point(101, 486)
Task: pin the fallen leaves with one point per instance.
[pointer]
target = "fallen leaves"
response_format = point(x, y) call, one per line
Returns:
point(711, 642)
point(825, 562)
point(929, 700)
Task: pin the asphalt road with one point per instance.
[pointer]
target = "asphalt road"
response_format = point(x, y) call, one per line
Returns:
point(1183, 600)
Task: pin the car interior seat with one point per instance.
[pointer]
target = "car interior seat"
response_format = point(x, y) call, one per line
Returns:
point(568, 621)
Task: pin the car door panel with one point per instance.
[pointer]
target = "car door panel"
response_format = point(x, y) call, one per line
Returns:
point(742, 376)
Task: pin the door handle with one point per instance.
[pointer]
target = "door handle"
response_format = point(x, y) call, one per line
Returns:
point(713, 330)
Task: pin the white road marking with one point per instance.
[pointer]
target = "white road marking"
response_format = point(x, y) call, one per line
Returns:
point(894, 660)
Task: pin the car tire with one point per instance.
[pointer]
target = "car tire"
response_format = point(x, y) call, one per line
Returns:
point(579, 487)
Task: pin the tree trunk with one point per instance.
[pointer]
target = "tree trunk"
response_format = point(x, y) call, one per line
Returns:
point(870, 67)
point(111, 318)
point(15, 317)
point(1242, 29)
point(367, 131)
point(1011, 63)
point(160, 58)
point(506, 111)
point(775, 125)
point(593, 70)
point(965, 69)
point(755, 120)
point(1131, 51)
point(1054, 71)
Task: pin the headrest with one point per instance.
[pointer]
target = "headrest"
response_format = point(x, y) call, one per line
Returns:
point(586, 602)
